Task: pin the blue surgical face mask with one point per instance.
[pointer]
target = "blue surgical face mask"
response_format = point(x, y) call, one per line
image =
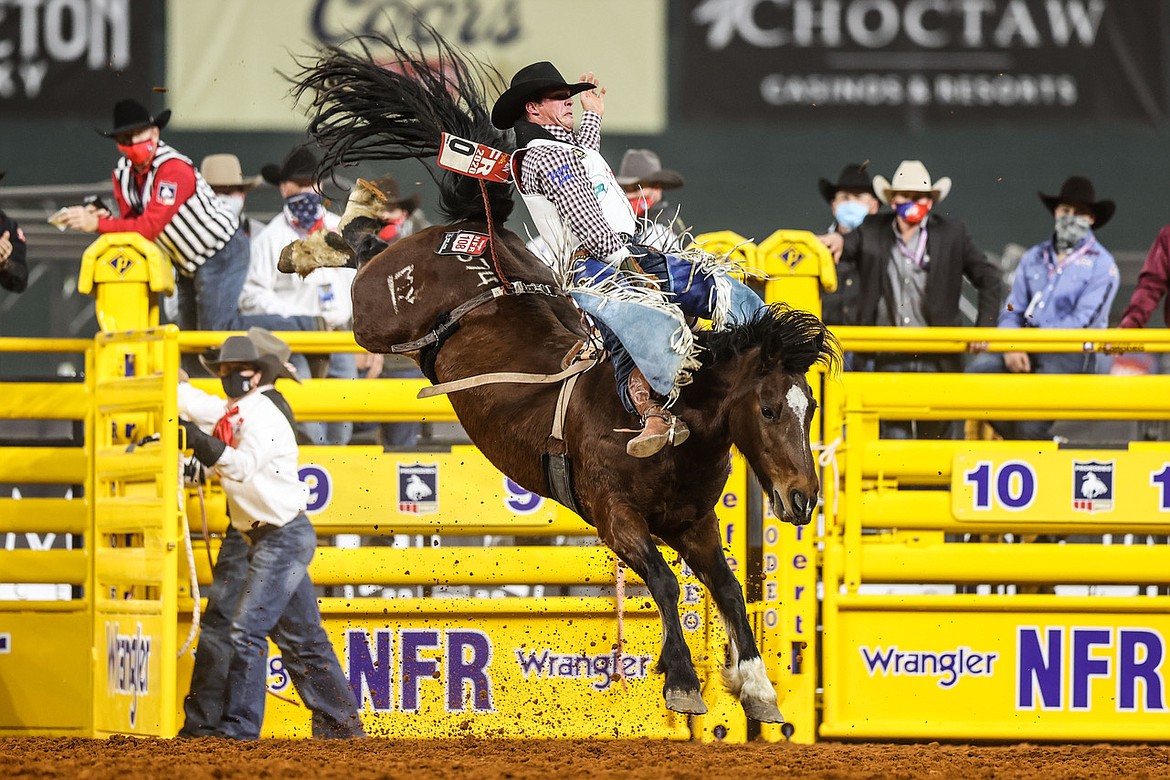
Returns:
point(850, 213)
point(304, 209)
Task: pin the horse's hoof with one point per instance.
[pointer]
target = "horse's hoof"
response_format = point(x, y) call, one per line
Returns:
point(763, 711)
point(687, 702)
point(285, 264)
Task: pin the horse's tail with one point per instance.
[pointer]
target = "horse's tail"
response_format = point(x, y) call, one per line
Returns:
point(384, 101)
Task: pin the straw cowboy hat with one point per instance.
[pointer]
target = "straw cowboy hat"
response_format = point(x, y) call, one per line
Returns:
point(1078, 191)
point(529, 83)
point(299, 165)
point(388, 186)
point(853, 178)
point(911, 176)
point(223, 170)
point(642, 167)
point(259, 348)
point(131, 115)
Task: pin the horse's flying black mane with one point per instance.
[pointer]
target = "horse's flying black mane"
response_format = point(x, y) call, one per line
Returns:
point(792, 338)
point(387, 101)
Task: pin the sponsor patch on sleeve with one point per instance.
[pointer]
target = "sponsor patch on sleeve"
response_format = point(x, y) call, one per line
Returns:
point(167, 192)
point(561, 176)
point(463, 242)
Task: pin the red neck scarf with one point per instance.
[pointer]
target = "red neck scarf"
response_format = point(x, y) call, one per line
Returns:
point(227, 428)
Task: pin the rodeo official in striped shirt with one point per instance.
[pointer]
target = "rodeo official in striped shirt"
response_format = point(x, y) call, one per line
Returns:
point(161, 195)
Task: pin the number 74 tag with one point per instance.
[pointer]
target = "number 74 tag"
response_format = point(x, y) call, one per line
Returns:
point(474, 159)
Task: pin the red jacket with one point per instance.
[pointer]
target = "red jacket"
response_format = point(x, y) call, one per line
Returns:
point(1151, 285)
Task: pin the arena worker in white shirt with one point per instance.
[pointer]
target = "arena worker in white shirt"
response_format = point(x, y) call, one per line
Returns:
point(249, 442)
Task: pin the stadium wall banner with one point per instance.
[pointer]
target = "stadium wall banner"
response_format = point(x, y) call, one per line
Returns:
point(225, 59)
point(71, 60)
point(925, 60)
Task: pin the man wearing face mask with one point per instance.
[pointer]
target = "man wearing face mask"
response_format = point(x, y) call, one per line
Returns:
point(261, 586)
point(851, 199)
point(911, 263)
point(161, 196)
point(1067, 281)
point(225, 175)
point(319, 301)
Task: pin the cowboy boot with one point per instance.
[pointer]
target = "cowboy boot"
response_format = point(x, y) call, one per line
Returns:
point(659, 427)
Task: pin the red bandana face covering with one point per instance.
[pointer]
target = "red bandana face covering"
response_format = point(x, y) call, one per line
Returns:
point(639, 204)
point(913, 211)
point(140, 153)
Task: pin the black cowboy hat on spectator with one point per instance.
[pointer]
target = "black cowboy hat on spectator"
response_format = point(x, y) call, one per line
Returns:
point(299, 165)
point(1078, 191)
point(853, 178)
point(530, 83)
point(259, 348)
point(388, 186)
point(642, 167)
point(130, 115)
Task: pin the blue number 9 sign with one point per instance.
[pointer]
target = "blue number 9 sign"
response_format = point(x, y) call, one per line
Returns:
point(519, 500)
point(320, 486)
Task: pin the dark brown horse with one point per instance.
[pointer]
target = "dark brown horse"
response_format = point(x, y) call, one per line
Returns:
point(751, 391)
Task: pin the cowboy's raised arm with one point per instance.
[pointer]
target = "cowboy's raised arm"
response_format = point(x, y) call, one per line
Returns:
point(593, 106)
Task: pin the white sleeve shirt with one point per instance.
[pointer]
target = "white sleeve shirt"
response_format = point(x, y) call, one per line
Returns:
point(259, 475)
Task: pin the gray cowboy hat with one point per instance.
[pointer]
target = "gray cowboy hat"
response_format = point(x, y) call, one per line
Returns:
point(299, 165)
point(529, 83)
point(1078, 191)
point(853, 178)
point(129, 115)
point(642, 167)
point(260, 348)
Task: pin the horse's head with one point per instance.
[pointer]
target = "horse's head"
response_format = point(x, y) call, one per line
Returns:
point(770, 408)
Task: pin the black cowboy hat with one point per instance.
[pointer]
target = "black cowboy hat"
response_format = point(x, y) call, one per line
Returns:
point(1078, 191)
point(388, 186)
point(853, 178)
point(259, 348)
point(131, 115)
point(529, 84)
point(642, 167)
point(299, 165)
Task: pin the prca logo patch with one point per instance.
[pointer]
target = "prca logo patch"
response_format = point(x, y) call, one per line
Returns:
point(167, 192)
point(418, 488)
point(1092, 486)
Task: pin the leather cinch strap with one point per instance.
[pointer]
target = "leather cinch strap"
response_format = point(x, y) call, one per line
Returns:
point(506, 377)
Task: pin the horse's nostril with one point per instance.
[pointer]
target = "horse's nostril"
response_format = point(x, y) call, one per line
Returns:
point(799, 503)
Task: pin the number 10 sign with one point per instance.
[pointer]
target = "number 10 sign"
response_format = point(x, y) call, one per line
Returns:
point(1062, 486)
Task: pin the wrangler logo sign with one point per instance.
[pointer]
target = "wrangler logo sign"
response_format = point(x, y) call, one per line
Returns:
point(127, 666)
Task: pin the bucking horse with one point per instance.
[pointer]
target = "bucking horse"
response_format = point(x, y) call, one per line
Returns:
point(468, 301)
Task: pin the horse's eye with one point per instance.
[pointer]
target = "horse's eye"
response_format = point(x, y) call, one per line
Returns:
point(768, 412)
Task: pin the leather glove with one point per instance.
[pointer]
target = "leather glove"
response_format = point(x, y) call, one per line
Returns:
point(208, 449)
point(194, 472)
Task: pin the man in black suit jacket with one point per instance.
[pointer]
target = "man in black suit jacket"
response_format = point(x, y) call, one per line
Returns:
point(911, 264)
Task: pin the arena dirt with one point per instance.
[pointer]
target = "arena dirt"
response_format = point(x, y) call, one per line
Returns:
point(36, 757)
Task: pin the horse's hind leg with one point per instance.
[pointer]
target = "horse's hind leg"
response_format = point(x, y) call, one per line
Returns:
point(745, 675)
point(634, 546)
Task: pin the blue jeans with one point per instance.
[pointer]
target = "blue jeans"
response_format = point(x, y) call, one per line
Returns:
point(1042, 363)
point(277, 599)
point(211, 299)
point(691, 291)
point(204, 703)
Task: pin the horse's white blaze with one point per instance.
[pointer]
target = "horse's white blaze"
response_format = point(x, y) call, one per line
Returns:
point(797, 399)
point(749, 680)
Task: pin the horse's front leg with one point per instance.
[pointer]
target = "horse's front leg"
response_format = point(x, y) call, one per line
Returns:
point(745, 676)
point(629, 537)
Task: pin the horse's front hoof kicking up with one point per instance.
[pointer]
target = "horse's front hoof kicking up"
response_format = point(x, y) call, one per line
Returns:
point(686, 702)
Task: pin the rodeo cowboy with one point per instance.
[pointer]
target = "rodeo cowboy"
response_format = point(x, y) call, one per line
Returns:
point(639, 296)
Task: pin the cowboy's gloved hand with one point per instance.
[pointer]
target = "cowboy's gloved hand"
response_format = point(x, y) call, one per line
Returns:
point(623, 261)
point(194, 472)
point(207, 449)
